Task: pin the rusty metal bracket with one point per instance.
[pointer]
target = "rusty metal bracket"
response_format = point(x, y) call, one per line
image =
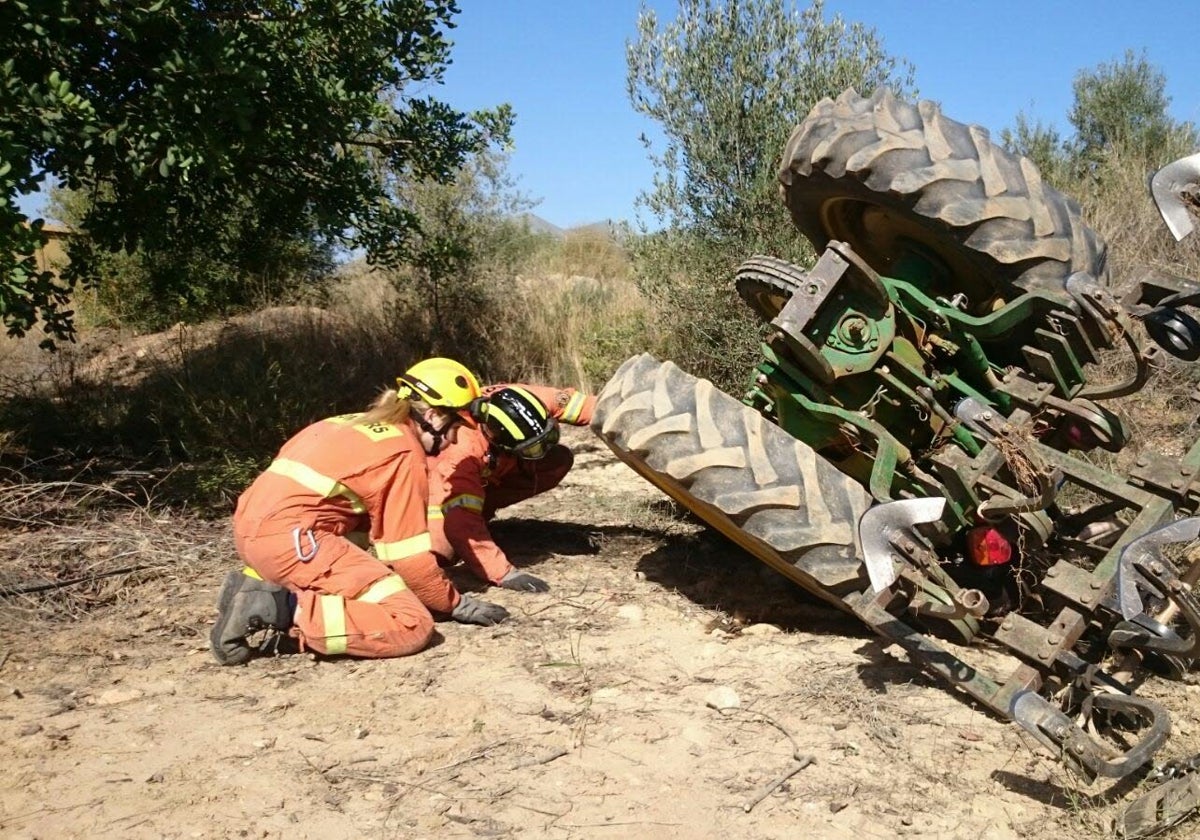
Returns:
point(1041, 646)
point(1077, 586)
point(1166, 477)
point(1058, 732)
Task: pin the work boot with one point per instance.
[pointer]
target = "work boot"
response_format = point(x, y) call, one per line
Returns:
point(247, 605)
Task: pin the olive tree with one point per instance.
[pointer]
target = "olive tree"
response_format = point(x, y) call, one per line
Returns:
point(1122, 104)
point(1119, 116)
point(169, 112)
point(725, 81)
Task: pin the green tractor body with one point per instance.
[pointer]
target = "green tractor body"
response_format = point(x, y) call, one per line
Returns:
point(918, 442)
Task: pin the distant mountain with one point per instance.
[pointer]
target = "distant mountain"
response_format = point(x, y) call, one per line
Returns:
point(539, 225)
point(606, 227)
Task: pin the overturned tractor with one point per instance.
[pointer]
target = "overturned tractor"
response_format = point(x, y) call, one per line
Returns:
point(912, 447)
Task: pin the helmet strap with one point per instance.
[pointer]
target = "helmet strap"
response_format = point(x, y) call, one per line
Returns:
point(438, 435)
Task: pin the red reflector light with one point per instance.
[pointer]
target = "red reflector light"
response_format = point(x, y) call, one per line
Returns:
point(988, 547)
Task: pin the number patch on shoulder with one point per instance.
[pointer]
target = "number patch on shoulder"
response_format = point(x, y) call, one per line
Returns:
point(379, 431)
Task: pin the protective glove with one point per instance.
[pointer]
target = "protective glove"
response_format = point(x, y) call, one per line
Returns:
point(471, 610)
point(523, 582)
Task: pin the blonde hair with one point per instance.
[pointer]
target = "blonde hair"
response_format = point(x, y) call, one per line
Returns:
point(389, 408)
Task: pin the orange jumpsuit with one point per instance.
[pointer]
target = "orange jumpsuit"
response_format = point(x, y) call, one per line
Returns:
point(335, 486)
point(469, 482)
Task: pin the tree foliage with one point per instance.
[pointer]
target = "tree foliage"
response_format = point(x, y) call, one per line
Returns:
point(1120, 116)
point(168, 112)
point(1123, 105)
point(1043, 145)
point(252, 259)
point(725, 82)
point(471, 240)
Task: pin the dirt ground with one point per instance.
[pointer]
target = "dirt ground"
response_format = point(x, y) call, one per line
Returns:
point(659, 690)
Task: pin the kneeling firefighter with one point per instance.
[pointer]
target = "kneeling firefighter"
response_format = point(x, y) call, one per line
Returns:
point(336, 486)
point(511, 454)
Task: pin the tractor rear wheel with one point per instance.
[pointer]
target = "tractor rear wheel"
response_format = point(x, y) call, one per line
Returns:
point(915, 193)
point(759, 486)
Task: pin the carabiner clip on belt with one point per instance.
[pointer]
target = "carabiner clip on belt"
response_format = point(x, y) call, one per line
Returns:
point(302, 555)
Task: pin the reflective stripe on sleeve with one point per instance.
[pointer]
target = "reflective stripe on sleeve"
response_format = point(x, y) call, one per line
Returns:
point(573, 408)
point(434, 512)
point(333, 615)
point(466, 500)
point(403, 548)
point(250, 573)
point(322, 485)
point(383, 588)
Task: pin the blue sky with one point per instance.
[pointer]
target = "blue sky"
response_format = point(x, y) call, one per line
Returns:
point(561, 64)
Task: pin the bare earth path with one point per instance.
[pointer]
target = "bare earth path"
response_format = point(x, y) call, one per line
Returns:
point(600, 711)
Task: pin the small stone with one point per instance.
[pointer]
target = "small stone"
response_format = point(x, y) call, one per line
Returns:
point(360, 733)
point(264, 744)
point(837, 805)
point(722, 697)
point(631, 613)
point(760, 630)
point(906, 820)
point(118, 695)
point(29, 729)
point(155, 779)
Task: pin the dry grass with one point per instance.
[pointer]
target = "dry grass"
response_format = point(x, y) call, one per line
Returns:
point(589, 252)
point(1117, 203)
point(70, 547)
point(574, 330)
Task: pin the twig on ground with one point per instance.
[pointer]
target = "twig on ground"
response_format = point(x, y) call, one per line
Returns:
point(796, 754)
point(389, 780)
point(802, 759)
point(479, 753)
point(800, 764)
point(324, 773)
point(59, 584)
point(545, 759)
point(614, 823)
point(543, 813)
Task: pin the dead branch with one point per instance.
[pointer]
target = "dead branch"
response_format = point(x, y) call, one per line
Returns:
point(545, 759)
point(769, 789)
point(478, 754)
point(28, 588)
point(796, 754)
point(801, 760)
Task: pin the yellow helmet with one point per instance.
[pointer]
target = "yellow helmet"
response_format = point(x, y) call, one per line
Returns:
point(443, 383)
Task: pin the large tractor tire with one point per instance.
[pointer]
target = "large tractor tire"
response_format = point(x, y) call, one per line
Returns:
point(898, 181)
point(765, 490)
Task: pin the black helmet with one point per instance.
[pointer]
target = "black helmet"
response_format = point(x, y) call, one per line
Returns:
point(517, 422)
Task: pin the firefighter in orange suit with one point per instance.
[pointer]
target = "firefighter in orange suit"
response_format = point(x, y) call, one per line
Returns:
point(511, 454)
point(337, 485)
